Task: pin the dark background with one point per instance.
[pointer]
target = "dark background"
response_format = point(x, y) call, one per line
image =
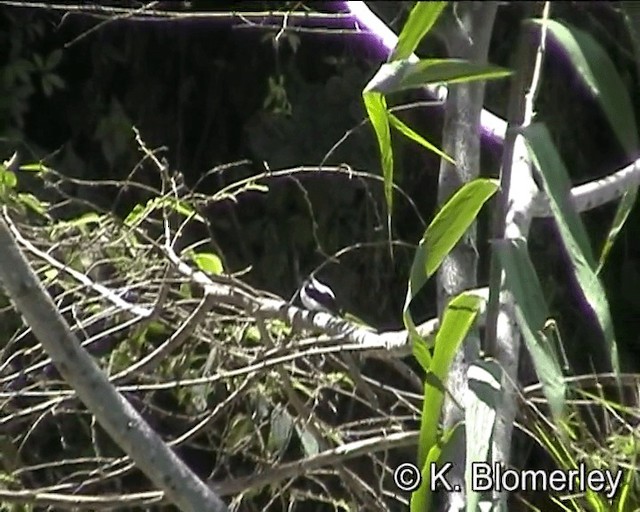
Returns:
point(219, 91)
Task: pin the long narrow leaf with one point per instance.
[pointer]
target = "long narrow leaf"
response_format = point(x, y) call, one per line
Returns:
point(422, 497)
point(409, 133)
point(421, 19)
point(406, 74)
point(484, 379)
point(443, 233)
point(376, 107)
point(454, 219)
point(556, 185)
point(599, 73)
point(622, 214)
point(632, 20)
point(531, 315)
point(457, 320)
point(417, 279)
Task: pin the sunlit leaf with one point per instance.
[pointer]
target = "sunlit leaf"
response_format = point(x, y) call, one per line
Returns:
point(458, 318)
point(409, 133)
point(208, 262)
point(421, 19)
point(38, 167)
point(417, 279)
point(421, 498)
point(454, 219)
point(33, 203)
point(135, 216)
point(627, 203)
point(444, 232)
point(406, 74)
point(8, 178)
point(376, 107)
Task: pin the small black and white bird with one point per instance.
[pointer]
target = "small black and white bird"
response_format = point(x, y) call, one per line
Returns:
point(317, 296)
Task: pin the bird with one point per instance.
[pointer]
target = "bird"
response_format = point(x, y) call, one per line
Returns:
point(317, 296)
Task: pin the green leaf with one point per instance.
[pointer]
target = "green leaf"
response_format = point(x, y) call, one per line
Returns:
point(55, 81)
point(208, 262)
point(309, 442)
point(453, 221)
point(458, 318)
point(406, 74)
point(282, 428)
point(600, 75)
point(38, 61)
point(621, 500)
point(485, 388)
point(137, 213)
point(622, 214)
point(417, 279)
point(39, 168)
point(421, 18)
point(79, 222)
point(240, 427)
point(33, 203)
point(178, 206)
point(632, 20)
point(421, 498)
point(376, 107)
point(420, 351)
point(409, 133)
point(444, 232)
point(556, 184)
point(531, 315)
point(8, 178)
point(47, 88)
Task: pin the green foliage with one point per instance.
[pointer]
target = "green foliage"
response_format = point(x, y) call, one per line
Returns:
point(421, 499)
point(404, 73)
point(532, 314)
point(376, 106)
point(207, 262)
point(485, 395)
point(299, 120)
point(572, 444)
point(277, 100)
point(401, 75)
point(597, 71)
point(556, 184)
point(45, 68)
point(421, 19)
point(13, 198)
point(140, 212)
point(458, 319)
point(410, 134)
point(444, 232)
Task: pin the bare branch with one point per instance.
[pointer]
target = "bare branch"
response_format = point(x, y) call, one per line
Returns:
point(117, 416)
